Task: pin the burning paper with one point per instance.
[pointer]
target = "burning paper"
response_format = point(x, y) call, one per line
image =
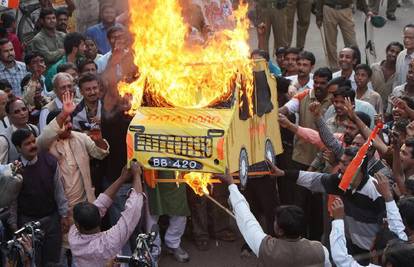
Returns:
point(175, 74)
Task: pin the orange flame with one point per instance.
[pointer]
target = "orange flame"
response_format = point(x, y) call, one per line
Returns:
point(175, 74)
point(198, 182)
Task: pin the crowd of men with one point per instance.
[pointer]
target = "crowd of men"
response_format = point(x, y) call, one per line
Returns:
point(63, 125)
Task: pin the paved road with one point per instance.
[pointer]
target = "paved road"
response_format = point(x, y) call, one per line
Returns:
point(228, 254)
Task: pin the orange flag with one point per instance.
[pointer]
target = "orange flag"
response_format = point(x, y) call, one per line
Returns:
point(353, 168)
point(10, 3)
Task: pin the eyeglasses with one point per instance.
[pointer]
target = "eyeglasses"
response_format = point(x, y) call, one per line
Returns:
point(17, 111)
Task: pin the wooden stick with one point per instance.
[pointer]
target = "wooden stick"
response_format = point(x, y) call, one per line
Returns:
point(221, 206)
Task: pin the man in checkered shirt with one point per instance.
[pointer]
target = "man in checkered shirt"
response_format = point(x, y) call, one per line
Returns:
point(11, 70)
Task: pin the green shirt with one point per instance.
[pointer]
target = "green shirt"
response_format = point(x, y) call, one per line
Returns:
point(51, 72)
point(48, 45)
point(168, 198)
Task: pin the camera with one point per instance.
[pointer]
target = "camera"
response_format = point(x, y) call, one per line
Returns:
point(14, 248)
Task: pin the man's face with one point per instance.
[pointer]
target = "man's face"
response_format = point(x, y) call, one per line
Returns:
point(62, 23)
point(406, 157)
point(117, 37)
point(89, 68)
point(351, 130)
point(339, 104)
point(320, 87)
point(358, 141)
point(81, 49)
point(346, 59)
point(91, 49)
point(291, 60)
point(410, 73)
point(90, 91)
point(62, 86)
point(3, 102)
point(49, 22)
point(7, 54)
point(408, 38)
point(304, 67)
point(28, 149)
point(37, 65)
point(361, 79)
point(332, 88)
point(109, 15)
point(74, 74)
point(67, 125)
point(19, 114)
point(392, 53)
point(280, 59)
point(398, 113)
point(343, 163)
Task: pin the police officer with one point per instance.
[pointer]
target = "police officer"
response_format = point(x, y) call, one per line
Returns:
point(303, 9)
point(271, 14)
point(334, 13)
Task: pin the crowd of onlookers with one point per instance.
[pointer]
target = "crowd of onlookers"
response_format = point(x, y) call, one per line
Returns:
point(63, 127)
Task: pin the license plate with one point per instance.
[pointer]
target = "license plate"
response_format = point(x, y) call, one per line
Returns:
point(174, 163)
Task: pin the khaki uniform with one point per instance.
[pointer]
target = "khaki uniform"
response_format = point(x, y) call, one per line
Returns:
point(273, 14)
point(391, 6)
point(336, 13)
point(303, 9)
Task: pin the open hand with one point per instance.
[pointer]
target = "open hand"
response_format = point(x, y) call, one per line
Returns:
point(68, 104)
point(349, 108)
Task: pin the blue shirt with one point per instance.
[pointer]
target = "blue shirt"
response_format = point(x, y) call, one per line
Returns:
point(274, 69)
point(98, 34)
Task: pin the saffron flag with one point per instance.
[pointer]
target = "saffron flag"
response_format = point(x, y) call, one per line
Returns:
point(353, 168)
point(10, 3)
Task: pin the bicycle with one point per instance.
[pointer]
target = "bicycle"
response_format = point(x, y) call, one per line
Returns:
point(26, 17)
point(142, 256)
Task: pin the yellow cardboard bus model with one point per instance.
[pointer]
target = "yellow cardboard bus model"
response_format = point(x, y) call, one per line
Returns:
point(210, 139)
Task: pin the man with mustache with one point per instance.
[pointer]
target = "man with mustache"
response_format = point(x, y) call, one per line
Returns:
point(41, 197)
point(73, 151)
point(304, 79)
point(384, 72)
point(88, 112)
point(11, 70)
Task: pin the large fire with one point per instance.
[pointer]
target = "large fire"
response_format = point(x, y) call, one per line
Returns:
point(174, 73)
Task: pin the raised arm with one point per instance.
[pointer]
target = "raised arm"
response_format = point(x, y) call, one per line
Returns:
point(395, 222)
point(365, 130)
point(51, 131)
point(247, 223)
point(325, 134)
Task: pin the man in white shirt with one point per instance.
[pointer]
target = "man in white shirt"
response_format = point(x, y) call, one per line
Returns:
point(304, 79)
point(406, 56)
point(347, 59)
point(395, 224)
point(289, 224)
